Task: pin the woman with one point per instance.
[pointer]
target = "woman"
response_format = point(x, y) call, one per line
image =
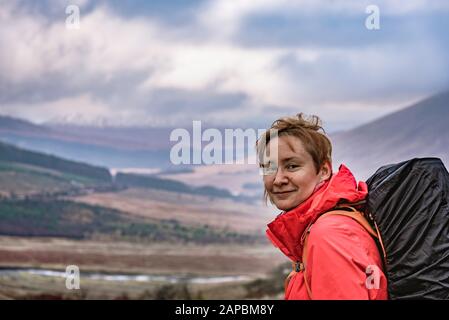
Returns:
point(334, 254)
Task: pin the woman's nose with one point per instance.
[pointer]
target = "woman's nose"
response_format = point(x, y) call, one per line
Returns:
point(280, 177)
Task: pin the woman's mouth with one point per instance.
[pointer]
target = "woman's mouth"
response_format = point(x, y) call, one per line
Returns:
point(284, 192)
point(280, 195)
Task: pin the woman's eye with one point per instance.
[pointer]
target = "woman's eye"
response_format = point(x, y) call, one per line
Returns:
point(268, 168)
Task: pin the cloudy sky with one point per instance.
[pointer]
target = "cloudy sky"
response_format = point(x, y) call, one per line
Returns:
point(233, 63)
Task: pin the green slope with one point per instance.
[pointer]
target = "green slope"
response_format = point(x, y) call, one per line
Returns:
point(68, 219)
point(9, 153)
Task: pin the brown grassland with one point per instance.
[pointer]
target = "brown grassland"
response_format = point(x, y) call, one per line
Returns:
point(109, 255)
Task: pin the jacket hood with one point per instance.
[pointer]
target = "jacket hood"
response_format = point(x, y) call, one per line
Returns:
point(287, 229)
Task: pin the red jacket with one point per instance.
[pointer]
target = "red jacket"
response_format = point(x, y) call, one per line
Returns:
point(343, 261)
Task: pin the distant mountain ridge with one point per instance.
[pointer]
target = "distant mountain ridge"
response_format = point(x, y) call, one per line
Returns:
point(13, 155)
point(129, 138)
point(113, 147)
point(9, 153)
point(421, 130)
point(14, 124)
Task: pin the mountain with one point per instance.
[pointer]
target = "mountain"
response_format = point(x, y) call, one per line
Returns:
point(40, 196)
point(10, 153)
point(25, 173)
point(114, 147)
point(420, 130)
point(29, 172)
point(12, 124)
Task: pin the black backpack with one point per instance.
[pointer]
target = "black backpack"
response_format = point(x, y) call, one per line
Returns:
point(409, 203)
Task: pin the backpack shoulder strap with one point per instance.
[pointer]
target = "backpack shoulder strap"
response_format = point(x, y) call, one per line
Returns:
point(354, 214)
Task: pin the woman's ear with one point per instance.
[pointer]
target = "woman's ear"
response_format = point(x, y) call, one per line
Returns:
point(326, 171)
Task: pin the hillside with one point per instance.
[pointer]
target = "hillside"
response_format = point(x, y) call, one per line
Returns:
point(9, 153)
point(152, 182)
point(39, 196)
point(67, 219)
point(12, 124)
point(420, 130)
point(25, 172)
point(115, 147)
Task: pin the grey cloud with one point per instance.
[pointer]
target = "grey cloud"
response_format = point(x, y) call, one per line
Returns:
point(338, 29)
point(408, 57)
point(197, 102)
point(379, 74)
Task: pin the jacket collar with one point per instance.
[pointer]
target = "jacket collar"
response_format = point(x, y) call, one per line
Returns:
point(287, 229)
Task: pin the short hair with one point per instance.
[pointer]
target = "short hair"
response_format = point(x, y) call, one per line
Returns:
point(309, 130)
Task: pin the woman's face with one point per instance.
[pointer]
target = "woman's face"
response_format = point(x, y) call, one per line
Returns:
point(295, 178)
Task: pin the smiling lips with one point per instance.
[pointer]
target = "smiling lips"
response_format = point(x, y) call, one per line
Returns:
point(283, 192)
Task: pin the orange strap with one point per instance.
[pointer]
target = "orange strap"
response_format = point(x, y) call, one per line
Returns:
point(357, 216)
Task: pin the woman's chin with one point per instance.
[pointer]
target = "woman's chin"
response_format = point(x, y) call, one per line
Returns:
point(284, 205)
